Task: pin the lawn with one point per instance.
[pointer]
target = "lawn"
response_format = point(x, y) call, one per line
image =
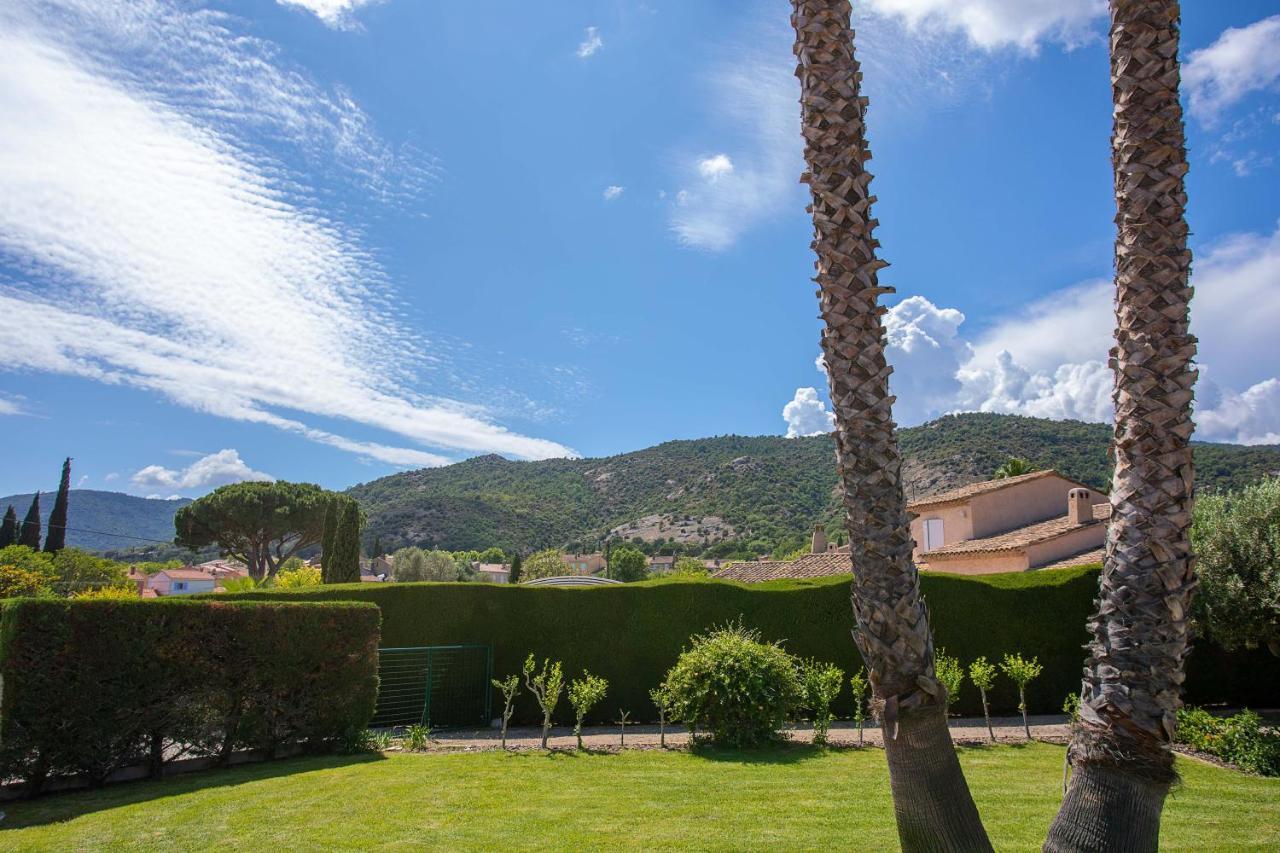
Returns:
point(785, 798)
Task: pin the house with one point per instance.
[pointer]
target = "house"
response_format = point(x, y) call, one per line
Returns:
point(492, 572)
point(585, 564)
point(662, 565)
point(185, 581)
point(222, 570)
point(1033, 521)
point(1040, 520)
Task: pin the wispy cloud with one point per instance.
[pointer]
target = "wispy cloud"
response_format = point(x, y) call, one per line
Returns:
point(216, 469)
point(613, 191)
point(992, 24)
point(591, 43)
point(150, 243)
point(1241, 61)
point(11, 407)
point(339, 14)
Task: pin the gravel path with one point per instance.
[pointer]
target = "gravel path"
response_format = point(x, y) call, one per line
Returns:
point(1052, 728)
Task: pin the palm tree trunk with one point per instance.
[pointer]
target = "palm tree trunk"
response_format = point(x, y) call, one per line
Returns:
point(1119, 751)
point(932, 802)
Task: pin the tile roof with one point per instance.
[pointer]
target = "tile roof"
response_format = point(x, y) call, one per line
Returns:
point(963, 493)
point(1016, 540)
point(1084, 558)
point(186, 575)
point(808, 566)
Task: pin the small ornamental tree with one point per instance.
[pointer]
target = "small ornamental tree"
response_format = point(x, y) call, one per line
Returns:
point(628, 564)
point(738, 688)
point(584, 694)
point(509, 687)
point(950, 674)
point(1021, 672)
point(858, 684)
point(545, 685)
point(822, 682)
point(658, 696)
point(983, 675)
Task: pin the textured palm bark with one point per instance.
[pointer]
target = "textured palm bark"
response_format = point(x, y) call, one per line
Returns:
point(1120, 749)
point(932, 802)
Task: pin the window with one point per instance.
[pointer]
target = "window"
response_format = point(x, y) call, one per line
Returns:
point(179, 586)
point(932, 533)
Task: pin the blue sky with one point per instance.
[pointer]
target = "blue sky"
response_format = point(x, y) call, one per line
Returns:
point(329, 239)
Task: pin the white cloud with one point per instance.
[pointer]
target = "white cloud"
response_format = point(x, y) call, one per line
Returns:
point(991, 24)
point(715, 167)
point(216, 469)
point(338, 14)
point(84, 478)
point(1241, 61)
point(613, 191)
point(807, 415)
point(10, 407)
point(159, 249)
point(1049, 358)
point(591, 43)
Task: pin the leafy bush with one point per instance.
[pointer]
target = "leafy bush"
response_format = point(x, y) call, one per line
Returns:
point(822, 682)
point(950, 674)
point(584, 694)
point(1239, 739)
point(299, 577)
point(738, 688)
point(548, 563)
point(417, 738)
point(632, 634)
point(628, 565)
point(1236, 536)
point(94, 685)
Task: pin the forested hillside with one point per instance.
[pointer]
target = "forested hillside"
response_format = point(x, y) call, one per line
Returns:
point(767, 489)
point(103, 521)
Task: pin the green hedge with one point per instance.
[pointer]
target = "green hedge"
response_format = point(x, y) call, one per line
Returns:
point(632, 634)
point(92, 686)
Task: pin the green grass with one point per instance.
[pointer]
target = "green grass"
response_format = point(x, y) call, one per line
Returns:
point(785, 799)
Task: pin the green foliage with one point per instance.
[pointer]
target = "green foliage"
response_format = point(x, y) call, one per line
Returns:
point(734, 686)
point(584, 694)
point(94, 685)
point(417, 738)
point(29, 532)
point(1236, 538)
point(545, 685)
point(297, 577)
point(80, 571)
point(1013, 467)
point(982, 673)
point(628, 564)
point(414, 564)
point(950, 673)
point(765, 488)
point(343, 565)
point(517, 569)
point(548, 563)
point(821, 683)
point(631, 634)
point(260, 524)
point(860, 688)
point(56, 539)
point(1240, 739)
point(1021, 672)
point(93, 517)
point(245, 584)
point(25, 572)
point(9, 528)
point(1071, 707)
point(689, 567)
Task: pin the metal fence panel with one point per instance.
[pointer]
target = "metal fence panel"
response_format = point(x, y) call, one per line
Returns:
point(438, 686)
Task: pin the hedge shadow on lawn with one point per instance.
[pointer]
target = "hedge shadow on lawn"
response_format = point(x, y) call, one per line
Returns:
point(59, 806)
point(778, 752)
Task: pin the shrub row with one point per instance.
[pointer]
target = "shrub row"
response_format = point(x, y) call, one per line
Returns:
point(1240, 739)
point(95, 685)
point(632, 634)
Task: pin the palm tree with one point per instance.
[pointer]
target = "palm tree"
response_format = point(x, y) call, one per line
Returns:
point(1014, 466)
point(931, 800)
point(1119, 751)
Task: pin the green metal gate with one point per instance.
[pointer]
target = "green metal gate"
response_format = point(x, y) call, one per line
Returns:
point(442, 687)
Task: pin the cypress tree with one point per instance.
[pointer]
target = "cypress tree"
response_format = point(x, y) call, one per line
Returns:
point(332, 514)
point(56, 539)
point(515, 570)
point(9, 529)
point(30, 533)
point(344, 564)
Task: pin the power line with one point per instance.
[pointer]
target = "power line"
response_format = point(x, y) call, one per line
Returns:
point(69, 529)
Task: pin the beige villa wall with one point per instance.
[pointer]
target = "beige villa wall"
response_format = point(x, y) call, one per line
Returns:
point(1084, 538)
point(956, 525)
point(981, 564)
point(1036, 500)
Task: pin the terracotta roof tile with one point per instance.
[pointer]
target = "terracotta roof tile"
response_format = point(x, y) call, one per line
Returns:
point(974, 489)
point(1084, 558)
point(1016, 540)
point(808, 566)
point(186, 575)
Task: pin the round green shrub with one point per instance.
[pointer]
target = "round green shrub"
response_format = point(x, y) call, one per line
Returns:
point(734, 687)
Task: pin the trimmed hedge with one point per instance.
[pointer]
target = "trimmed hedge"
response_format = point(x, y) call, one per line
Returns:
point(91, 686)
point(632, 634)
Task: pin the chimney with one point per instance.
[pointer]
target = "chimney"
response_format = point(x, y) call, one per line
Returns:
point(819, 539)
point(1079, 507)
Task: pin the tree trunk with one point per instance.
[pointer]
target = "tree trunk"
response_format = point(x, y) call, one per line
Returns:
point(932, 802)
point(986, 714)
point(1022, 706)
point(1120, 748)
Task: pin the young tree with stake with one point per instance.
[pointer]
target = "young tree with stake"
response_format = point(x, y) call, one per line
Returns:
point(1022, 672)
point(983, 675)
point(509, 687)
point(546, 686)
point(858, 684)
point(584, 694)
point(662, 702)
